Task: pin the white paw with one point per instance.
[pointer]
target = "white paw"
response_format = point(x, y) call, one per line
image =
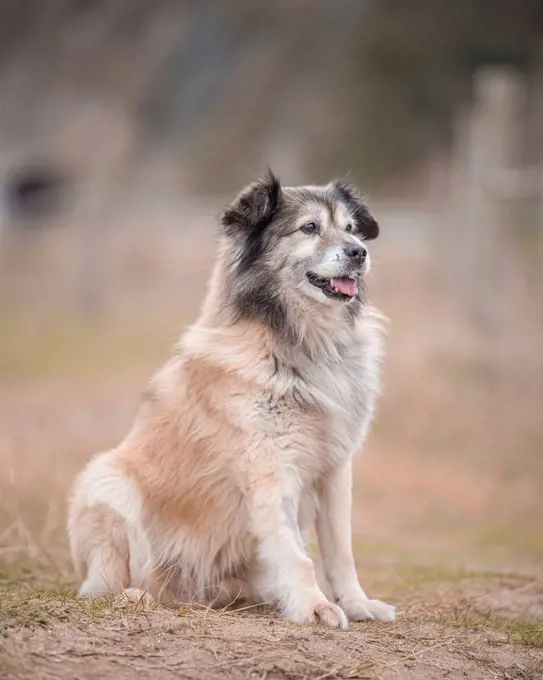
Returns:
point(331, 615)
point(93, 588)
point(363, 609)
point(138, 595)
point(324, 612)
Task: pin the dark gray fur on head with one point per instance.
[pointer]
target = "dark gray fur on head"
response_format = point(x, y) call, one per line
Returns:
point(256, 223)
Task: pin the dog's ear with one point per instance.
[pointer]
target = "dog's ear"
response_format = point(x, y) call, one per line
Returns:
point(255, 207)
point(367, 226)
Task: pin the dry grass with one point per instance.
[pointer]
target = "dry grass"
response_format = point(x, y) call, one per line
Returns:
point(447, 511)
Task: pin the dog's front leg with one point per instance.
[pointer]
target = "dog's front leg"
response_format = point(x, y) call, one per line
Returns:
point(334, 532)
point(285, 573)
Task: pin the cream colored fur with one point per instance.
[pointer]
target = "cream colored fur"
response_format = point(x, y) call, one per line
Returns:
point(209, 496)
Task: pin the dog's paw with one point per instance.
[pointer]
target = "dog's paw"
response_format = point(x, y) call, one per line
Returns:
point(324, 612)
point(330, 615)
point(363, 609)
point(137, 595)
point(93, 588)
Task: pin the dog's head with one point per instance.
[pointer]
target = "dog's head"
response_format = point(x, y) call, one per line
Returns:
point(296, 245)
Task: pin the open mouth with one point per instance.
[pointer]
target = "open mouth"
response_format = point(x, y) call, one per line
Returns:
point(339, 287)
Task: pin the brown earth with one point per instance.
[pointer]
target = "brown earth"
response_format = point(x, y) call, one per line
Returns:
point(468, 627)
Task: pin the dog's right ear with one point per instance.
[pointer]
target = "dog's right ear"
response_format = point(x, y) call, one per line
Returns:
point(255, 207)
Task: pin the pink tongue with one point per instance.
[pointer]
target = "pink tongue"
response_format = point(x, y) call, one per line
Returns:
point(345, 285)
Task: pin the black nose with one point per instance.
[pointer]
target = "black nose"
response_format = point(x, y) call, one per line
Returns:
point(356, 252)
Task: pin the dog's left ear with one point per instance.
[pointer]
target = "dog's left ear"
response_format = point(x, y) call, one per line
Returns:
point(367, 226)
point(255, 207)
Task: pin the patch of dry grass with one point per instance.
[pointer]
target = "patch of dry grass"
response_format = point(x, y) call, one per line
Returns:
point(521, 632)
point(29, 607)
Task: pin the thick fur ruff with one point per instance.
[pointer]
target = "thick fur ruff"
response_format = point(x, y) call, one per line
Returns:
point(244, 439)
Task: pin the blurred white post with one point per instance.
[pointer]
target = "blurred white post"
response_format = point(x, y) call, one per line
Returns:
point(454, 244)
point(92, 271)
point(536, 124)
point(479, 222)
point(114, 140)
point(3, 212)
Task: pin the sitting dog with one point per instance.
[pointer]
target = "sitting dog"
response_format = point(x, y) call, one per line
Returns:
point(244, 439)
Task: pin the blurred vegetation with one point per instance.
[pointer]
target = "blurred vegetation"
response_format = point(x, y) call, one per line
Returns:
point(414, 67)
point(369, 87)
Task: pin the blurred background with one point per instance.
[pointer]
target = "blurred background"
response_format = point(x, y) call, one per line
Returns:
point(125, 125)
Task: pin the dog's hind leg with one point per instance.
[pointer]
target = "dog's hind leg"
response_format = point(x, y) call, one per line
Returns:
point(100, 550)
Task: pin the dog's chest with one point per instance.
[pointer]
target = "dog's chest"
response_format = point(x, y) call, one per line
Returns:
point(344, 397)
point(328, 410)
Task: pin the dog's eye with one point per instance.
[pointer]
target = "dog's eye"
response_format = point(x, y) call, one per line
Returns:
point(349, 228)
point(309, 228)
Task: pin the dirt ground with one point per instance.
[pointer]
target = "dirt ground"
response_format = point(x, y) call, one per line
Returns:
point(451, 625)
point(448, 512)
point(444, 632)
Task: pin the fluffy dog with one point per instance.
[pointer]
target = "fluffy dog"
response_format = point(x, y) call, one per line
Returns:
point(244, 439)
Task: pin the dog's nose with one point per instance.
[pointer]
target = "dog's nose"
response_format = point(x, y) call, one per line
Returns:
point(356, 252)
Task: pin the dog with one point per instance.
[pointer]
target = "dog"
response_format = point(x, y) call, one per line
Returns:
point(244, 439)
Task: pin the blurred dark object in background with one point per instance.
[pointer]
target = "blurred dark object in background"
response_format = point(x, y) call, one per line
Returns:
point(34, 193)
